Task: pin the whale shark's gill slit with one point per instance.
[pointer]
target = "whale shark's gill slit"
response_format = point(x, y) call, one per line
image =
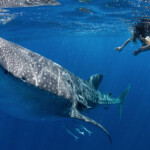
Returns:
point(69, 82)
point(77, 115)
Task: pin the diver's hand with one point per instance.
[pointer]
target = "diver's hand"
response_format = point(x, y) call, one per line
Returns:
point(137, 52)
point(119, 49)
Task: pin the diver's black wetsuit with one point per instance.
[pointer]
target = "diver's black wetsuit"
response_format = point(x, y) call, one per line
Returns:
point(142, 28)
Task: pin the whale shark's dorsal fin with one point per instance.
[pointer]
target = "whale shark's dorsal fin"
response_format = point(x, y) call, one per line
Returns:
point(95, 80)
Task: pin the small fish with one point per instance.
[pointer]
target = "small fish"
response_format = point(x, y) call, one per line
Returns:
point(70, 133)
point(89, 132)
point(80, 132)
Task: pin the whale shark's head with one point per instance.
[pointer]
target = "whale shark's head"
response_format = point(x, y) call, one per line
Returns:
point(41, 2)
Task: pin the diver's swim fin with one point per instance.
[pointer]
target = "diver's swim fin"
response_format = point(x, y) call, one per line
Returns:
point(77, 115)
point(122, 97)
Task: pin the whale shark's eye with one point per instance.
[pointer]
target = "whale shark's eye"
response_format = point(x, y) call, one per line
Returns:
point(5, 71)
point(23, 78)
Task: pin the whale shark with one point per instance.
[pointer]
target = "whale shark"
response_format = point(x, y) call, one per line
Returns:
point(34, 87)
point(26, 3)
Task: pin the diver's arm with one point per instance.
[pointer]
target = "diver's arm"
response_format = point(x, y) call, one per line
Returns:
point(121, 47)
point(142, 49)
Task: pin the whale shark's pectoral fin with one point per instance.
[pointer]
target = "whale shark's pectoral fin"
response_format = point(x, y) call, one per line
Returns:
point(74, 113)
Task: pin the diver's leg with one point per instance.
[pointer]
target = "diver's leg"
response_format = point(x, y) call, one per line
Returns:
point(142, 49)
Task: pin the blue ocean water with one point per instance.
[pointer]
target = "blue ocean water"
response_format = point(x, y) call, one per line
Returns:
point(81, 36)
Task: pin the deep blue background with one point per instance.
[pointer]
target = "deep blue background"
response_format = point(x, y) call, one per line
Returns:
point(85, 55)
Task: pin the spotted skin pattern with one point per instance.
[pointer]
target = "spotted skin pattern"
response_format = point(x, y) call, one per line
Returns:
point(68, 94)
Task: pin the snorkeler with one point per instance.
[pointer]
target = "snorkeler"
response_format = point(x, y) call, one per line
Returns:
point(141, 31)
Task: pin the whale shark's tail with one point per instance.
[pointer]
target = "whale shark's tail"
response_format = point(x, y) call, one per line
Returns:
point(122, 97)
point(74, 113)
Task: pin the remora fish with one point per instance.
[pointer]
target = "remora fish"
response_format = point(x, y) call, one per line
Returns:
point(26, 3)
point(58, 92)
